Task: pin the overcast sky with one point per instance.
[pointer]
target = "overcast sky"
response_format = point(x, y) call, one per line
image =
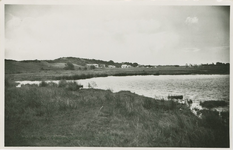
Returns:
point(145, 34)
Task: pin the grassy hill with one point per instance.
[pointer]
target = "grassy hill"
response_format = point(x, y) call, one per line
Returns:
point(12, 66)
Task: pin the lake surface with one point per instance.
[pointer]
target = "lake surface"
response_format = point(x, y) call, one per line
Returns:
point(195, 87)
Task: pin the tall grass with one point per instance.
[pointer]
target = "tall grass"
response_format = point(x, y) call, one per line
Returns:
point(55, 116)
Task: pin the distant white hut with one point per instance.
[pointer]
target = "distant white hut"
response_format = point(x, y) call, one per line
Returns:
point(126, 66)
point(102, 66)
point(140, 66)
point(111, 66)
point(95, 65)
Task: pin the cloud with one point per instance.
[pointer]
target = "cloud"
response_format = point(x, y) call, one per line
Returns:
point(191, 20)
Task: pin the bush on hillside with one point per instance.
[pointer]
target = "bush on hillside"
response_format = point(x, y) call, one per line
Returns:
point(69, 66)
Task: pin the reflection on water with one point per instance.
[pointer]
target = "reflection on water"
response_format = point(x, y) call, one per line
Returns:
point(195, 87)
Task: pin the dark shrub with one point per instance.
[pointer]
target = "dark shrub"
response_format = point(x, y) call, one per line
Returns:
point(69, 66)
point(43, 84)
point(212, 104)
point(52, 84)
point(62, 83)
point(73, 86)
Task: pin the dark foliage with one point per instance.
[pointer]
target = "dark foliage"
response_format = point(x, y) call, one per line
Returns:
point(69, 66)
point(212, 104)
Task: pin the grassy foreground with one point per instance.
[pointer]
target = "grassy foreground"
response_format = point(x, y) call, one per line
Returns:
point(63, 115)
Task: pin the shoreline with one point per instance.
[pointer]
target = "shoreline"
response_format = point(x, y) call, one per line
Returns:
point(195, 107)
point(36, 77)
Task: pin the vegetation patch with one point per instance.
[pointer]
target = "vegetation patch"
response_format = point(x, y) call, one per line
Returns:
point(213, 104)
point(79, 76)
point(131, 73)
point(69, 66)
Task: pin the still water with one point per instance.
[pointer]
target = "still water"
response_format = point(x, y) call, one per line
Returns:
point(195, 87)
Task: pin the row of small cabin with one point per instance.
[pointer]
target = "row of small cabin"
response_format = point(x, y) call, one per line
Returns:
point(109, 66)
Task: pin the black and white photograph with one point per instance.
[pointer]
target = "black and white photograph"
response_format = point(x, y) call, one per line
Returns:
point(118, 73)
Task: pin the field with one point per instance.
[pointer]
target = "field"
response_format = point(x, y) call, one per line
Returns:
point(64, 115)
point(83, 74)
point(54, 70)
